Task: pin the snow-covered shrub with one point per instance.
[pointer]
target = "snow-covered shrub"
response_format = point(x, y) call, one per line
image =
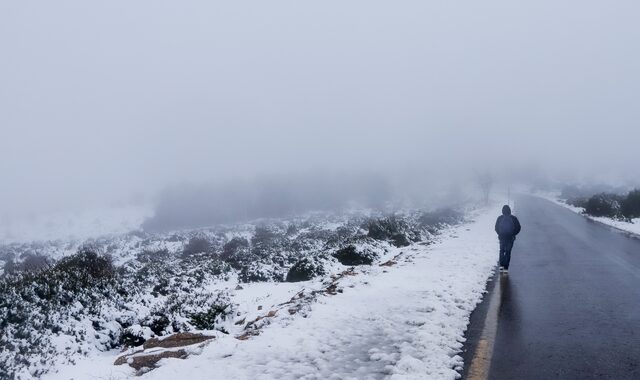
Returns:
point(346, 233)
point(84, 301)
point(350, 255)
point(87, 266)
point(630, 206)
point(155, 274)
point(186, 312)
point(312, 239)
point(267, 240)
point(132, 337)
point(604, 204)
point(393, 229)
point(38, 306)
point(197, 244)
point(305, 269)
point(198, 268)
point(157, 323)
point(236, 252)
point(261, 272)
point(210, 318)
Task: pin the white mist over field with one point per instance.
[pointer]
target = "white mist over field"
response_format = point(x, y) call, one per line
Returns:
point(118, 104)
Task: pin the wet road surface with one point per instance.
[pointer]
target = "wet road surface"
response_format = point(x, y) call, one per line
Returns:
point(570, 306)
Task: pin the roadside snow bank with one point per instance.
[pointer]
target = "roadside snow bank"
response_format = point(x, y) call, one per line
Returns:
point(632, 227)
point(401, 322)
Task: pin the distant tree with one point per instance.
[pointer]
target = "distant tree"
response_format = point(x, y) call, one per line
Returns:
point(485, 181)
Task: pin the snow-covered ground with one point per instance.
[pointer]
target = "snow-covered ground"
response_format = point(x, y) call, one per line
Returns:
point(405, 321)
point(632, 227)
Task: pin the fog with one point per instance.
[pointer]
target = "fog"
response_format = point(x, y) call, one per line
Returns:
point(120, 102)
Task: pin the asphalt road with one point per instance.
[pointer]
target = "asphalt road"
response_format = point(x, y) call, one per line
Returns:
point(570, 306)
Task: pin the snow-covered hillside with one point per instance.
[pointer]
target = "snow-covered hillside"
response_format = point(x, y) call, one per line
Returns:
point(400, 322)
point(403, 318)
point(225, 281)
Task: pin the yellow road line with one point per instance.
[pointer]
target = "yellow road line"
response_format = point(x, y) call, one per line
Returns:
point(479, 368)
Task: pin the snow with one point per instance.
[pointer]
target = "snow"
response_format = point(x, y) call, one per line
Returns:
point(406, 321)
point(633, 226)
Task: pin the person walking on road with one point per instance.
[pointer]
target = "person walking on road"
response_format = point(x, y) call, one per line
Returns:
point(507, 227)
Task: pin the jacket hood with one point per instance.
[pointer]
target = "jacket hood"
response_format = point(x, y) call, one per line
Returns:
point(506, 210)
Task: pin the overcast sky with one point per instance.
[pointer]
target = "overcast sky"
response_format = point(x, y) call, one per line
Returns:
point(103, 100)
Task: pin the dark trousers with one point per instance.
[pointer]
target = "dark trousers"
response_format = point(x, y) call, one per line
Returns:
point(506, 244)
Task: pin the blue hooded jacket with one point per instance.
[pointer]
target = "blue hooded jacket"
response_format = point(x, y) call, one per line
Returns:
point(506, 213)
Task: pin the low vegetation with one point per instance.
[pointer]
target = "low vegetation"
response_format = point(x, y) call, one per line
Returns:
point(610, 205)
point(121, 291)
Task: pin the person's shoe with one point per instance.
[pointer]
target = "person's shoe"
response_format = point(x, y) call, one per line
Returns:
point(505, 271)
point(501, 269)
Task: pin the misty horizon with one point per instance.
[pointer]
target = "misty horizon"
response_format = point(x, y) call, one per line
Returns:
point(116, 103)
